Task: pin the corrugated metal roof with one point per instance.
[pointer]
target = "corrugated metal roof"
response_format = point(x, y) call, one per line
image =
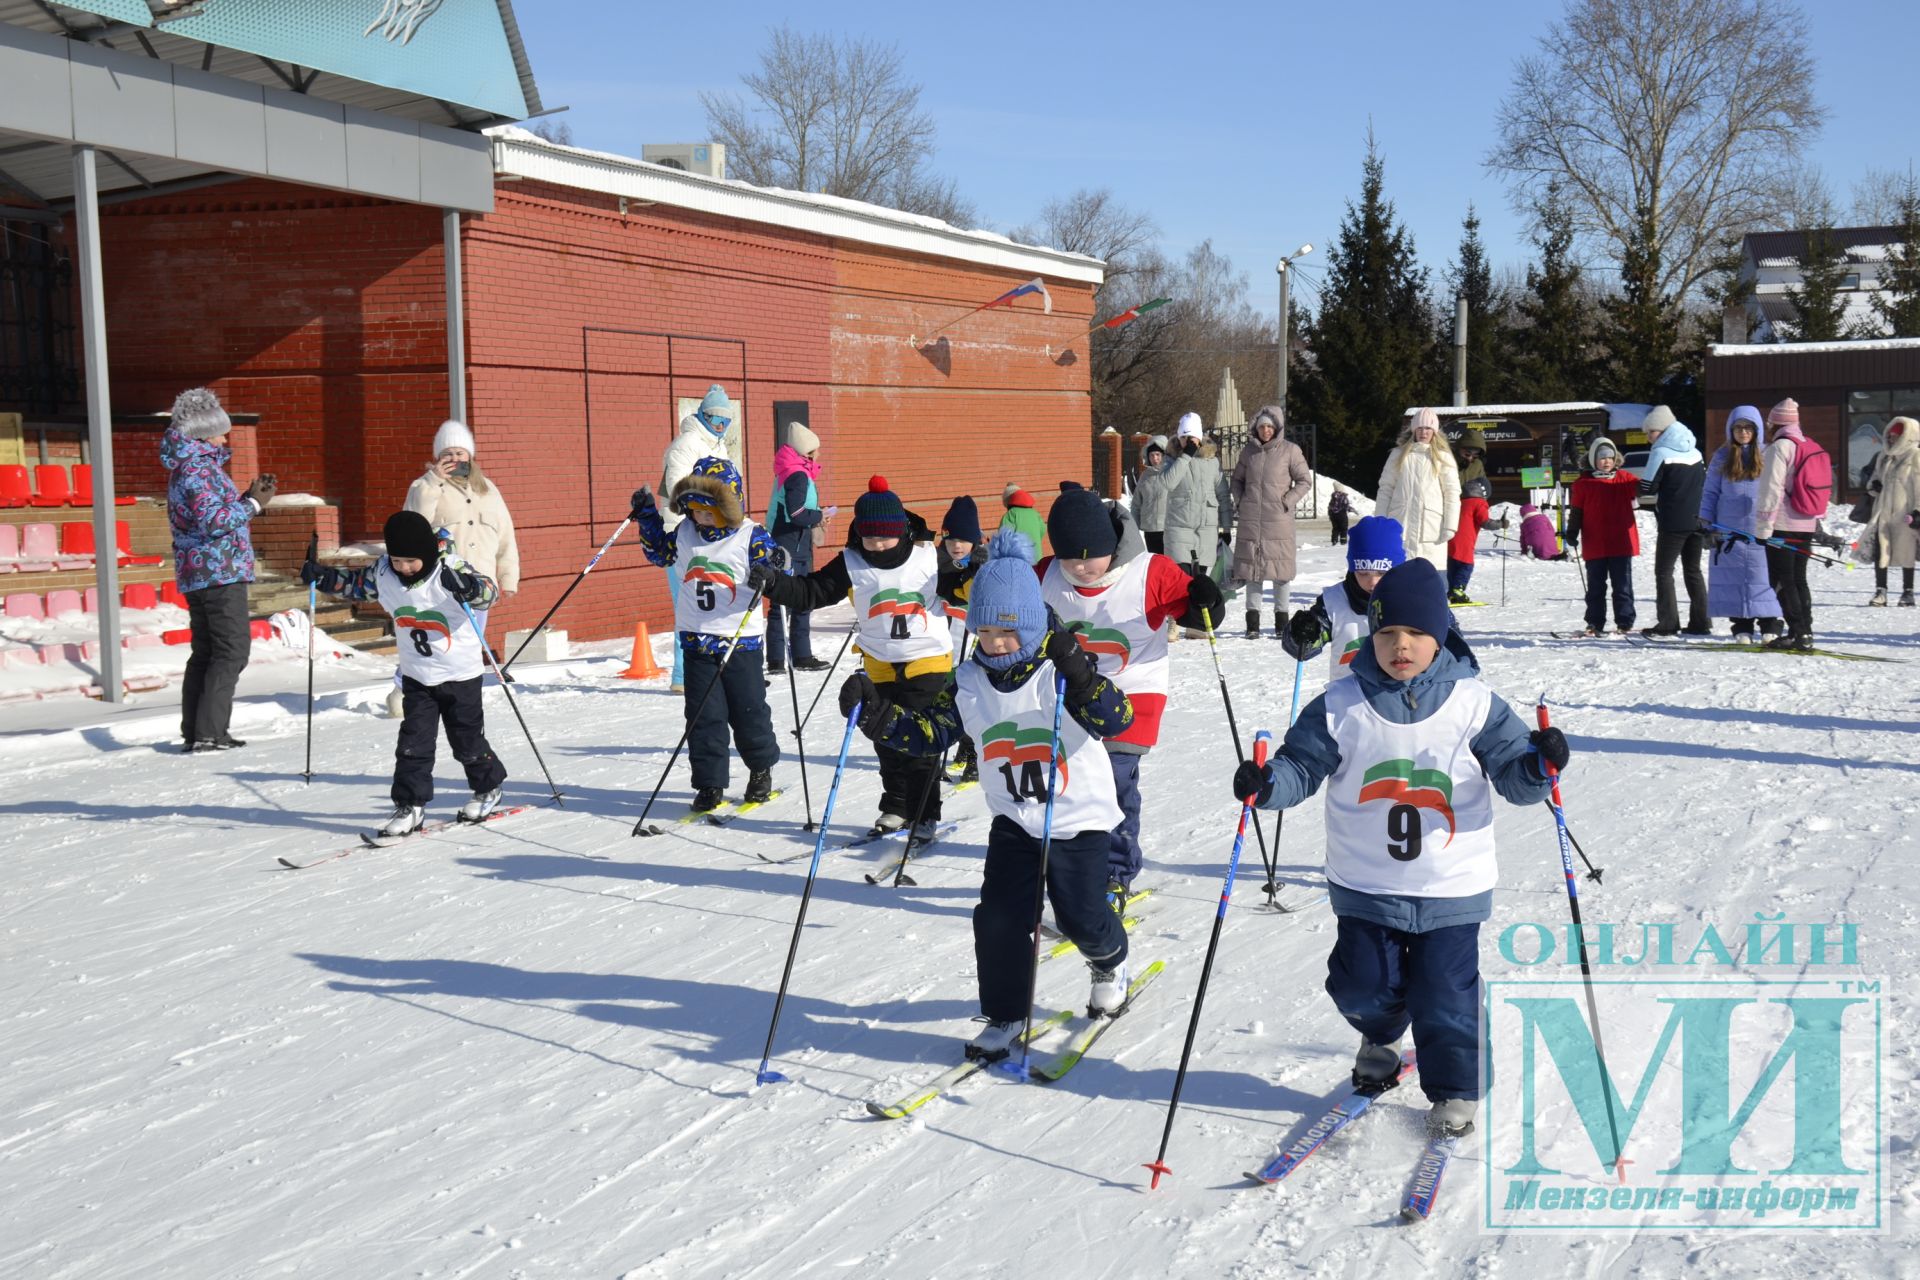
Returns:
point(1787, 248)
point(1812, 348)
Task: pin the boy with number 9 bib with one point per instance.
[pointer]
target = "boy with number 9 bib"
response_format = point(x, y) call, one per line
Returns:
point(428, 590)
point(1412, 749)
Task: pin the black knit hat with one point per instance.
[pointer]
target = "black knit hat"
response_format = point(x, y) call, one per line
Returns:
point(1080, 526)
point(410, 537)
point(878, 512)
point(963, 521)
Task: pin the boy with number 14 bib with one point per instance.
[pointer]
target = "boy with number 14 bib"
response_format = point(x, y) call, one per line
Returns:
point(1412, 749)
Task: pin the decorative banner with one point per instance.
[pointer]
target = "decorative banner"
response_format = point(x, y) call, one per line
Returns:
point(1035, 285)
point(1127, 317)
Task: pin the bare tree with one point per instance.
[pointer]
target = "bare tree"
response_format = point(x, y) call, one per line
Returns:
point(1878, 195)
point(1669, 116)
point(553, 130)
point(837, 116)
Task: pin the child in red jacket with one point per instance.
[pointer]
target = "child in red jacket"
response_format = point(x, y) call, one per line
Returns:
point(1601, 511)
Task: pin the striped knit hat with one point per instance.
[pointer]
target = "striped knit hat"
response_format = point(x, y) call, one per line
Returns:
point(878, 513)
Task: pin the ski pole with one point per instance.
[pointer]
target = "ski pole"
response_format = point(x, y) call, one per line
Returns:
point(1781, 544)
point(506, 689)
point(845, 641)
point(1005, 1065)
point(900, 875)
point(1266, 859)
point(1261, 741)
point(1579, 933)
point(541, 625)
point(640, 827)
point(1280, 819)
point(313, 604)
point(800, 743)
point(1593, 872)
point(766, 1074)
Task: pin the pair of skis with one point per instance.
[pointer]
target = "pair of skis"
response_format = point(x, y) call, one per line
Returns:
point(1423, 1187)
point(373, 840)
point(1046, 1071)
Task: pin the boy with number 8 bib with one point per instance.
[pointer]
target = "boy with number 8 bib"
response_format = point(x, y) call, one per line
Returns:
point(428, 590)
point(1412, 749)
point(1004, 696)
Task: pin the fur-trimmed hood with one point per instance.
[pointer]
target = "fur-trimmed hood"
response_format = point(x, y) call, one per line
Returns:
point(715, 483)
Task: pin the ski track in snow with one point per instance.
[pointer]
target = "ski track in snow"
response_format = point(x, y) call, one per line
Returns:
point(528, 1049)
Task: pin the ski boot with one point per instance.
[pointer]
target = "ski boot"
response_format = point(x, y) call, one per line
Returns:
point(1879, 600)
point(886, 824)
point(994, 1042)
point(478, 808)
point(1452, 1117)
point(811, 664)
point(1376, 1067)
point(759, 787)
point(925, 832)
point(1906, 599)
point(405, 821)
point(971, 772)
point(707, 799)
point(1458, 595)
point(1109, 993)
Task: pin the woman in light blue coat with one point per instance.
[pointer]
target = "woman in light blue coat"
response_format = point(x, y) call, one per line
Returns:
point(1737, 586)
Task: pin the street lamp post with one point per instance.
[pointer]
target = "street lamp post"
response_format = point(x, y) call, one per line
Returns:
point(1286, 262)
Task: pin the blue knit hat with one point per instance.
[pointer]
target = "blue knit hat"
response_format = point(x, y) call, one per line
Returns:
point(1006, 593)
point(963, 521)
point(878, 512)
point(1375, 544)
point(1411, 595)
point(716, 404)
point(1080, 526)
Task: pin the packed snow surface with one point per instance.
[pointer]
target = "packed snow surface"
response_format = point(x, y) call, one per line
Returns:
point(528, 1049)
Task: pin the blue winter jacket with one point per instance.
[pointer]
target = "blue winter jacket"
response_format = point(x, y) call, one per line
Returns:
point(1309, 757)
point(1737, 583)
point(212, 544)
point(662, 547)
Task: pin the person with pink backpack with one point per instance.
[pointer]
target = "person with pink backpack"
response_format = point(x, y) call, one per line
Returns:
point(1796, 481)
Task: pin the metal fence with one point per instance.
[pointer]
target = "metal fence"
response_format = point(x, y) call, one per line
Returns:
point(1231, 440)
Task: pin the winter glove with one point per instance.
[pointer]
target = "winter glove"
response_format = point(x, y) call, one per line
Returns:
point(263, 488)
point(1205, 605)
point(1226, 539)
point(1304, 636)
point(462, 586)
point(1549, 745)
point(1913, 519)
point(311, 573)
point(875, 708)
point(1252, 779)
point(1075, 665)
point(760, 576)
point(642, 501)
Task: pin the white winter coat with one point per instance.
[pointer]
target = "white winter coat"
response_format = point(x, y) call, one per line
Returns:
point(692, 444)
point(1420, 487)
point(1898, 474)
point(477, 517)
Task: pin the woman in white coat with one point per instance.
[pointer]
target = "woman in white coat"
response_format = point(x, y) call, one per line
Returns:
point(1420, 487)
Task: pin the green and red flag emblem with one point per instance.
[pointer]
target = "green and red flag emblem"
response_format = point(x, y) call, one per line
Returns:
point(894, 602)
point(704, 569)
point(1399, 782)
point(1102, 642)
point(1352, 651)
point(408, 618)
point(1009, 742)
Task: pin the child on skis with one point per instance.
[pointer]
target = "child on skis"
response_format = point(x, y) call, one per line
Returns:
point(1476, 493)
point(901, 625)
point(1601, 510)
point(429, 591)
point(962, 550)
point(1339, 616)
point(1412, 750)
point(1004, 695)
point(716, 612)
point(1117, 598)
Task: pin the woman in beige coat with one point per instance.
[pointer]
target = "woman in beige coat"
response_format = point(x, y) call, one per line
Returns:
point(454, 495)
point(1420, 487)
point(1268, 483)
point(1896, 502)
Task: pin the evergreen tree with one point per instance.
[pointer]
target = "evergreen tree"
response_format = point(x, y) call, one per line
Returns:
point(1554, 343)
point(1898, 302)
point(1642, 326)
point(1372, 338)
point(1819, 306)
point(1490, 350)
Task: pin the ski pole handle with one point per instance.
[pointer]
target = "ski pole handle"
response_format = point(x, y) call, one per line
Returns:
point(1262, 742)
point(1546, 765)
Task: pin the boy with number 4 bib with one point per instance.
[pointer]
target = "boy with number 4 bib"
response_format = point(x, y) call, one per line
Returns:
point(1412, 749)
point(428, 590)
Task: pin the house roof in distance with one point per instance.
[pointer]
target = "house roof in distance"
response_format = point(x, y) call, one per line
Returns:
point(1787, 248)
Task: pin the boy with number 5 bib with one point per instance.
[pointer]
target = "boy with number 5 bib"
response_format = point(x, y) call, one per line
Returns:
point(1412, 748)
point(428, 590)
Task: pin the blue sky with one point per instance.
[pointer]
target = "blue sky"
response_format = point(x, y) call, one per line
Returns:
point(1244, 123)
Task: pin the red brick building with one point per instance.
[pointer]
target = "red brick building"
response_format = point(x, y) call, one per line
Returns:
point(601, 296)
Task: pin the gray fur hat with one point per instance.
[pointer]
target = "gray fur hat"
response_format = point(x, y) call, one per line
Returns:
point(197, 415)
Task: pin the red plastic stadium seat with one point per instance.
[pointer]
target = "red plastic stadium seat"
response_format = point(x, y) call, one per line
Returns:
point(54, 485)
point(9, 546)
point(38, 542)
point(83, 487)
point(123, 539)
point(26, 604)
point(139, 595)
point(59, 602)
point(15, 490)
point(170, 594)
point(76, 538)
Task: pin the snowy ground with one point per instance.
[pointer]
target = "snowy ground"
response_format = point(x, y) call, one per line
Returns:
point(528, 1050)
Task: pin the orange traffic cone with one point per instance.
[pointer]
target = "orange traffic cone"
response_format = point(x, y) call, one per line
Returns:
point(642, 666)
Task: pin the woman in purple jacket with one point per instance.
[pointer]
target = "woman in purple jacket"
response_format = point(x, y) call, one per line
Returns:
point(212, 562)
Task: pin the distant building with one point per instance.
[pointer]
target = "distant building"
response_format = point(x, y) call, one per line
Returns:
point(1771, 260)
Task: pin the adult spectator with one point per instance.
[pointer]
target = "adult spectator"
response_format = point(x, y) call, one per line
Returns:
point(1199, 503)
point(1773, 514)
point(212, 562)
point(703, 434)
point(1149, 503)
point(1896, 511)
point(1677, 474)
point(1268, 482)
point(1420, 487)
point(798, 524)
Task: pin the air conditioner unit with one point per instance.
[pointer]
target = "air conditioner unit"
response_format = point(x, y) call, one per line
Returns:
point(709, 158)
